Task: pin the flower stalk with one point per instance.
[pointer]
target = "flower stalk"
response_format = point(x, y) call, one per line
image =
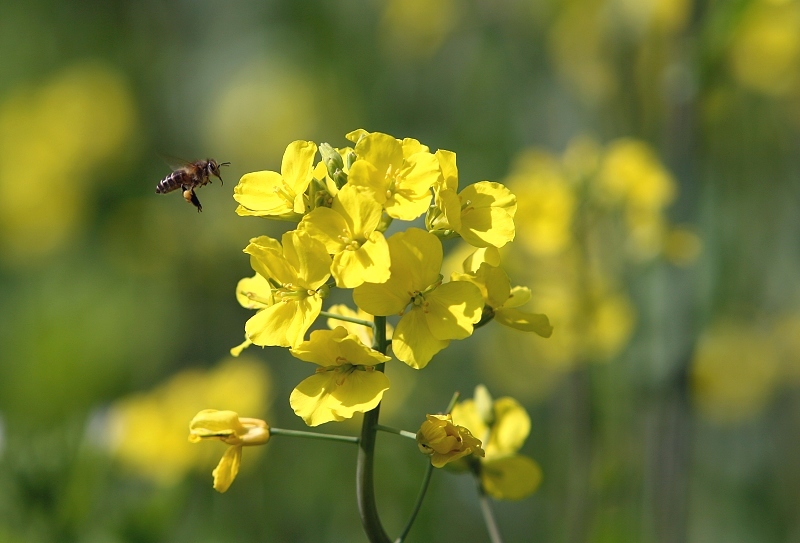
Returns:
point(365, 482)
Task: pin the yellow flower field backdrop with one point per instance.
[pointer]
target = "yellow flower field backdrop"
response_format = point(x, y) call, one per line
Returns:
point(639, 162)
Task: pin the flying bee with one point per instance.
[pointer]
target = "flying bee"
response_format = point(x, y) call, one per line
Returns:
point(190, 176)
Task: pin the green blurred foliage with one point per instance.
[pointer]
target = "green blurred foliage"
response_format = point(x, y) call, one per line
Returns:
point(685, 427)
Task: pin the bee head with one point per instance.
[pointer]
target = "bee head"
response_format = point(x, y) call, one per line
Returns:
point(213, 167)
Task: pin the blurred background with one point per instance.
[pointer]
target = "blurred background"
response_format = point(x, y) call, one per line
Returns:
point(653, 147)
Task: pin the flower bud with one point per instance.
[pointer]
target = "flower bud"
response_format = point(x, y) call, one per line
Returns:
point(444, 442)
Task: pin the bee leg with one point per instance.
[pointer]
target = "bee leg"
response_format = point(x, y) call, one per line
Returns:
point(191, 197)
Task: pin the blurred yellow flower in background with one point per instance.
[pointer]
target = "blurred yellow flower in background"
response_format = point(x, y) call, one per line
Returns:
point(53, 141)
point(146, 431)
point(503, 426)
point(735, 371)
point(546, 202)
point(415, 29)
point(765, 53)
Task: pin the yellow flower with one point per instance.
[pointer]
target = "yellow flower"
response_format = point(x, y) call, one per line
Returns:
point(438, 312)
point(482, 214)
point(346, 381)
point(501, 300)
point(296, 273)
point(279, 195)
point(347, 229)
point(401, 184)
point(503, 425)
point(229, 428)
point(547, 203)
point(444, 442)
point(632, 173)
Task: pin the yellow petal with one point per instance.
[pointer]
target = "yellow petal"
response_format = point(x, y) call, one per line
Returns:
point(256, 192)
point(369, 263)
point(510, 429)
point(417, 255)
point(364, 174)
point(309, 259)
point(447, 162)
point(488, 218)
point(360, 209)
point(527, 322)
point(490, 255)
point(519, 296)
point(283, 324)
point(407, 205)
point(298, 164)
point(227, 469)
point(336, 347)
point(413, 342)
point(381, 150)
point(254, 292)
point(452, 310)
point(327, 226)
point(465, 414)
point(511, 477)
point(326, 397)
point(213, 423)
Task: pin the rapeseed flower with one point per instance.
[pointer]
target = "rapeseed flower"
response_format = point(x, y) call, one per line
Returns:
point(432, 313)
point(279, 195)
point(296, 272)
point(348, 231)
point(229, 428)
point(346, 381)
point(401, 184)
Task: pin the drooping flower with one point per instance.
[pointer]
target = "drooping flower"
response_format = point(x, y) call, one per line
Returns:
point(228, 427)
point(346, 381)
point(444, 442)
point(483, 270)
point(296, 273)
point(401, 184)
point(348, 230)
point(482, 214)
point(279, 195)
point(433, 313)
point(503, 425)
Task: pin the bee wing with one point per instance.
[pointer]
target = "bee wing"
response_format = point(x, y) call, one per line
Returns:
point(174, 162)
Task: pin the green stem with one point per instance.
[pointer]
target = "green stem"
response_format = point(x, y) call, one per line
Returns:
point(312, 435)
point(488, 514)
point(354, 320)
point(389, 429)
point(365, 482)
point(453, 400)
point(418, 505)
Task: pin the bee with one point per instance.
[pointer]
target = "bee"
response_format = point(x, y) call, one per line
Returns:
point(190, 176)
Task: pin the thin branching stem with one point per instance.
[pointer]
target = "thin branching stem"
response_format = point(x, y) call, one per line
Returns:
point(390, 430)
point(345, 318)
point(417, 505)
point(488, 514)
point(312, 435)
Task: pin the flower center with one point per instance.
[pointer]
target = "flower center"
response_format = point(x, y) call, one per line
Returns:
point(285, 192)
point(349, 243)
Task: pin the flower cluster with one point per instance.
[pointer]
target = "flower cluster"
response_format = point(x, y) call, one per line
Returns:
point(343, 205)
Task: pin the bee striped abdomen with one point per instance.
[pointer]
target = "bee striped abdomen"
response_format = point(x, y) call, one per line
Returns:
point(171, 182)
